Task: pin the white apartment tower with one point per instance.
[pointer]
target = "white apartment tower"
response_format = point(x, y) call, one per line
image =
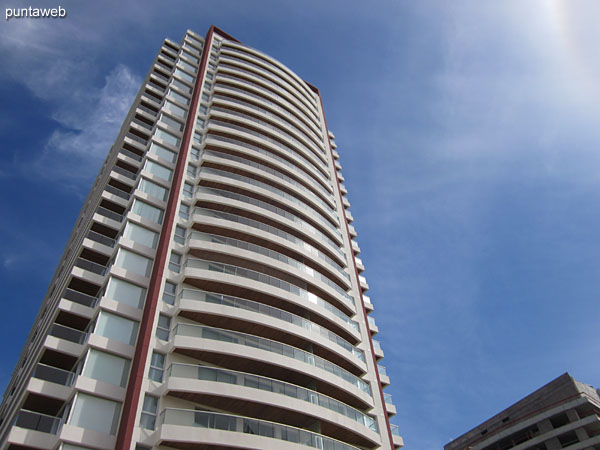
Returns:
point(210, 295)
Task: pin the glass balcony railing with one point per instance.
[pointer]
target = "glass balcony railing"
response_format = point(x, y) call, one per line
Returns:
point(100, 238)
point(275, 173)
point(130, 153)
point(249, 340)
point(274, 255)
point(382, 370)
point(280, 193)
point(195, 372)
point(320, 168)
point(54, 374)
point(371, 321)
point(68, 333)
point(148, 110)
point(110, 214)
point(249, 305)
point(377, 346)
point(91, 266)
point(271, 281)
point(275, 231)
point(387, 398)
point(81, 298)
point(274, 209)
point(125, 172)
point(395, 429)
point(39, 422)
point(118, 192)
point(299, 170)
point(239, 424)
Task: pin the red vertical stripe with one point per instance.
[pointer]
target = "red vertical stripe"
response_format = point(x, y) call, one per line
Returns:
point(136, 376)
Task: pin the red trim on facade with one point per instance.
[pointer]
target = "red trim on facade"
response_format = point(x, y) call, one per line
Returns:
point(136, 375)
point(362, 302)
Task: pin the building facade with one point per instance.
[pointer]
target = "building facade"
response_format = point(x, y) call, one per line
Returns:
point(562, 414)
point(210, 295)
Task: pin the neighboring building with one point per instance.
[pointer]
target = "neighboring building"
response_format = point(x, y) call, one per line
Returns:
point(562, 414)
point(209, 296)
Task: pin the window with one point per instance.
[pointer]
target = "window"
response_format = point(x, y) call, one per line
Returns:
point(95, 414)
point(187, 66)
point(148, 418)
point(194, 152)
point(171, 123)
point(153, 190)
point(157, 367)
point(167, 137)
point(141, 235)
point(178, 97)
point(197, 140)
point(192, 57)
point(209, 76)
point(175, 110)
point(133, 262)
point(188, 190)
point(205, 97)
point(191, 171)
point(106, 367)
point(163, 153)
point(117, 328)
point(158, 170)
point(125, 292)
point(169, 293)
point(212, 67)
point(180, 73)
point(184, 87)
point(200, 123)
point(213, 58)
point(184, 211)
point(179, 235)
point(203, 109)
point(175, 262)
point(147, 211)
point(207, 86)
point(163, 327)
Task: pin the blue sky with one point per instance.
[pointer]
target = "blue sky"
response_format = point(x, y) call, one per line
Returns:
point(468, 132)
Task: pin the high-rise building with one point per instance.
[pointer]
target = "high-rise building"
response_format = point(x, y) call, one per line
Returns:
point(564, 413)
point(210, 295)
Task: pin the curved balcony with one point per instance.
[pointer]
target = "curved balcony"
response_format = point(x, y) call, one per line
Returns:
point(209, 430)
point(272, 64)
point(269, 77)
point(337, 375)
point(260, 277)
point(271, 212)
point(196, 295)
point(239, 392)
point(273, 134)
point(273, 234)
point(286, 121)
point(259, 139)
point(326, 219)
point(278, 257)
point(305, 192)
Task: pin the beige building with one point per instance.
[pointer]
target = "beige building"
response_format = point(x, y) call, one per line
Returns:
point(210, 295)
point(562, 414)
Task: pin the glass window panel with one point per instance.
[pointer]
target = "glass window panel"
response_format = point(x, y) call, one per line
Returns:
point(163, 153)
point(167, 137)
point(184, 87)
point(105, 367)
point(147, 211)
point(173, 108)
point(178, 97)
point(180, 73)
point(95, 413)
point(172, 123)
point(154, 189)
point(169, 293)
point(134, 262)
point(158, 170)
point(187, 66)
point(117, 328)
point(125, 292)
point(141, 235)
